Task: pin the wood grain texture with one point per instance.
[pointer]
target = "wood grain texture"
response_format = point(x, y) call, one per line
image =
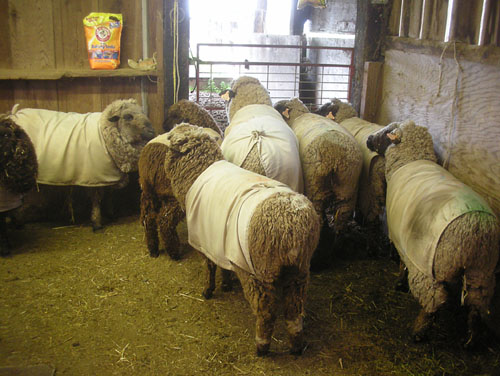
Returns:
point(372, 90)
point(31, 34)
point(437, 19)
point(415, 18)
point(459, 102)
point(468, 21)
point(394, 18)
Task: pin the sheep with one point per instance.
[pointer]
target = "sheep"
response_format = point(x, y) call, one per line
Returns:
point(93, 150)
point(444, 232)
point(332, 162)
point(18, 171)
point(372, 187)
point(159, 211)
point(278, 229)
point(186, 111)
point(257, 138)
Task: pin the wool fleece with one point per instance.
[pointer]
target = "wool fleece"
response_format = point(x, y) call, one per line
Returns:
point(262, 125)
point(69, 146)
point(219, 207)
point(422, 200)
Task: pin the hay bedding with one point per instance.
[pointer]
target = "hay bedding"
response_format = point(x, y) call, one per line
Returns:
point(97, 304)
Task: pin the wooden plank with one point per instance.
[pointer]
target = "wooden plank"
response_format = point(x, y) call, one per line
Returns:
point(55, 74)
point(489, 55)
point(70, 45)
point(468, 20)
point(6, 96)
point(426, 19)
point(415, 18)
point(31, 34)
point(404, 25)
point(372, 90)
point(35, 94)
point(460, 104)
point(5, 47)
point(437, 19)
point(395, 17)
point(80, 94)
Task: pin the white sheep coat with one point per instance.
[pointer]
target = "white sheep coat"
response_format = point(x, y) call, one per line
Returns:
point(69, 146)
point(308, 127)
point(219, 207)
point(422, 200)
point(361, 129)
point(278, 147)
point(9, 200)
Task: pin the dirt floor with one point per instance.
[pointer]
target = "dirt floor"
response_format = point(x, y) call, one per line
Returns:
point(96, 304)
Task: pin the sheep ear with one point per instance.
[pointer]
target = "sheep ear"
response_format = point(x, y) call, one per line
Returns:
point(394, 136)
point(114, 119)
point(330, 116)
point(286, 113)
point(227, 95)
point(133, 101)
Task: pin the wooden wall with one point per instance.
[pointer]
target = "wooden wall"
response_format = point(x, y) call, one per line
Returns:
point(43, 59)
point(452, 88)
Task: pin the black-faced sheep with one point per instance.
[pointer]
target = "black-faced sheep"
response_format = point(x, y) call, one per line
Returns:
point(331, 163)
point(257, 139)
point(93, 150)
point(160, 212)
point(444, 232)
point(18, 171)
point(228, 207)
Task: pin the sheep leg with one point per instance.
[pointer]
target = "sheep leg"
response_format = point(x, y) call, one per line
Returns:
point(148, 217)
point(169, 217)
point(402, 281)
point(227, 280)
point(4, 240)
point(422, 324)
point(210, 286)
point(262, 299)
point(295, 296)
point(96, 196)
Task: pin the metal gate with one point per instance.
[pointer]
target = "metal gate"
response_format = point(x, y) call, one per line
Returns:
point(315, 74)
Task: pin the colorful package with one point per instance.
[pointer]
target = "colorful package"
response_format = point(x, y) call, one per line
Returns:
point(103, 33)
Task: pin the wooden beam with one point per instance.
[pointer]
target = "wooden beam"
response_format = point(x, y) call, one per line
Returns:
point(372, 90)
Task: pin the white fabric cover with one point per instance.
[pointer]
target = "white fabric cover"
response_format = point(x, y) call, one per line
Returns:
point(219, 207)
point(308, 127)
point(278, 147)
point(422, 200)
point(69, 147)
point(9, 200)
point(361, 129)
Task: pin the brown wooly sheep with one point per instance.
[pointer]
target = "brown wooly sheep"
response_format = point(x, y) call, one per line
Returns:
point(332, 162)
point(278, 229)
point(159, 210)
point(445, 233)
point(93, 150)
point(257, 139)
point(18, 171)
point(186, 111)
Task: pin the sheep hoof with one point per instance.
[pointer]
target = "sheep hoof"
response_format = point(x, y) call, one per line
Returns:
point(96, 228)
point(208, 293)
point(263, 350)
point(154, 254)
point(174, 255)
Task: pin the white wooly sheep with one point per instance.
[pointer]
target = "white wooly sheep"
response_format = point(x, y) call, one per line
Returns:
point(257, 138)
point(331, 161)
point(93, 150)
point(372, 186)
point(242, 221)
point(445, 233)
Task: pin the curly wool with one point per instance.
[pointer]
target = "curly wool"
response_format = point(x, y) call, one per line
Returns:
point(468, 247)
point(283, 234)
point(126, 130)
point(18, 163)
point(186, 111)
point(247, 90)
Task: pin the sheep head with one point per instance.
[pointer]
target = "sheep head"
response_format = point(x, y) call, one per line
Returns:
point(191, 149)
point(381, 140)
point(126, 130)
point(337, 110)
point(291, 109)
point(244, 91)
point(186, 111)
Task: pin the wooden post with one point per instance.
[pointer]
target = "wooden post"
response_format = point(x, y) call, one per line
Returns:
point(372, 90)
point(175, 60)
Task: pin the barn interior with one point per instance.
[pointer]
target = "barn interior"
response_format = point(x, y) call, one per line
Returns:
point(80, 302)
